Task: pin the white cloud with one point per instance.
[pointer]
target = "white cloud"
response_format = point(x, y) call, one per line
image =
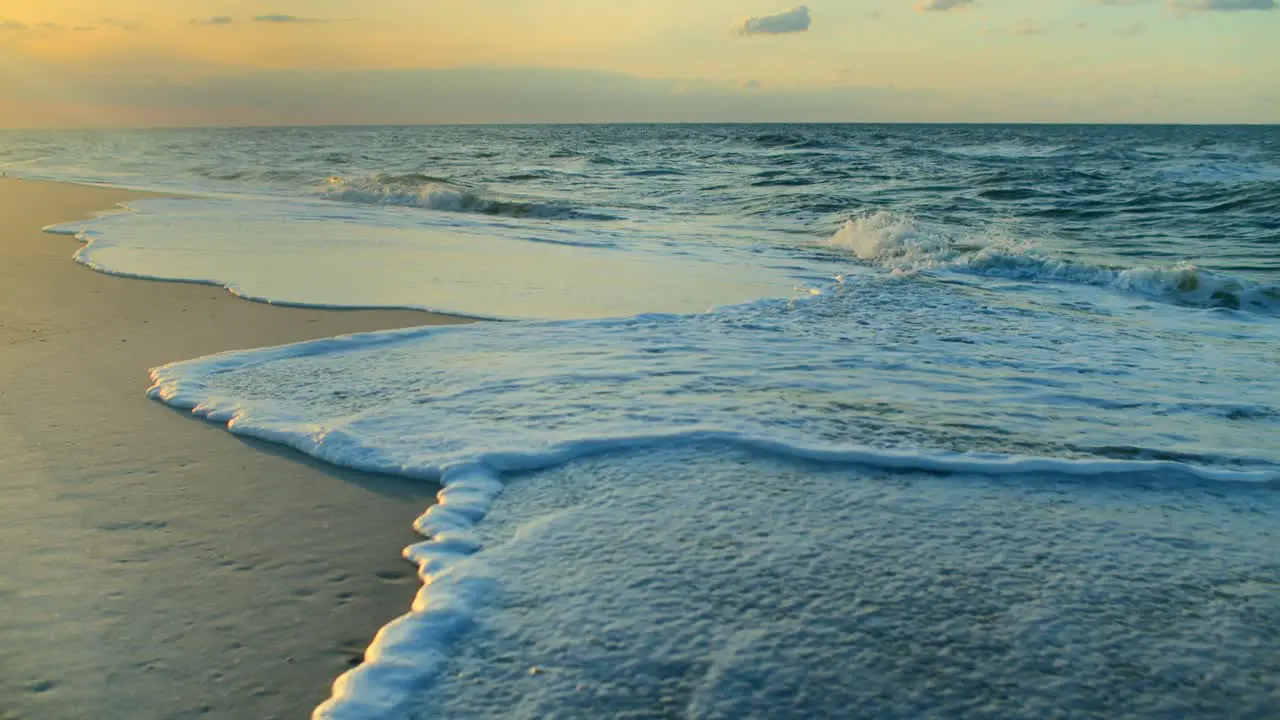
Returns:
point(1221, 5)
point(215, 20)
point(942, 5)
point(1027, 27)
point(792, 21)
point(14, 26)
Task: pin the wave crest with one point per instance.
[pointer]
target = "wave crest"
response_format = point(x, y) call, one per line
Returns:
point(434, 193)
point(900, 243)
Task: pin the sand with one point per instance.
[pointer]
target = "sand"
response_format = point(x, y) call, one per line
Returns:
point(155, 566)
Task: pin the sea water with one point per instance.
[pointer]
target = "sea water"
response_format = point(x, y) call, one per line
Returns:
point(878, 421)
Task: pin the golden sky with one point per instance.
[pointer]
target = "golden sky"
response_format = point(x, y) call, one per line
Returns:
point(138, 62)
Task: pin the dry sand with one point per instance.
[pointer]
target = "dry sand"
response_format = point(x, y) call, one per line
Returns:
point(155, 566)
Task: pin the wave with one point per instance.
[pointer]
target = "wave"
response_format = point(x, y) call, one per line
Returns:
point(190, 385)
point(409, 654)
point(1011, 193)
point(1007, 151)
point(288, 177)
point(656, 172)
point(1223, 173)
point(784, 182)
point(1261, 199)
point(900, 243)
point(435, 193)
point(795, 141)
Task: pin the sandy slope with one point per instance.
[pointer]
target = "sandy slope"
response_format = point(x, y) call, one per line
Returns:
point(155, 566)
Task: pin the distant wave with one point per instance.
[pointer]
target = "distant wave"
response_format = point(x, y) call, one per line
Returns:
point(435, 193)
point(271, 177)
point(796, 141)
point(783, 182)
point(1007, 151)
point(1258, 198)
point(655, 172)
point(900, 243)
point(1218, 173)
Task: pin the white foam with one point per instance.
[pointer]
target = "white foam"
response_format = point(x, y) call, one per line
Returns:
point(877, 376)
point(702, 581)
point(900, 243)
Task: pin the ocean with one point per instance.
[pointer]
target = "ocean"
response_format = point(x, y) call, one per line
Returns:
point(797, 420)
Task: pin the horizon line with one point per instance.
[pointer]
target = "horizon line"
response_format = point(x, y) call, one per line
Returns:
point(606, 123)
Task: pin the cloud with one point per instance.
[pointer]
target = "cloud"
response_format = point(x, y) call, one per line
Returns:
point(1026, 27)
point(1115, 3)
point(1221, 5)
point(120, 24)
point(23, 27)
point(751, 85)
point(792, 21)
point(1130, 30)
point(215, 20)
point(286, 19)
point(942, 5)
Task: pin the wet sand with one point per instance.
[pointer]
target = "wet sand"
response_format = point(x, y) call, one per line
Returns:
point(156, 566)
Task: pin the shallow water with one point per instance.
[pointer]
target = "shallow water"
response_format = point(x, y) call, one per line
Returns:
point(727, 585)
point(1078, 421)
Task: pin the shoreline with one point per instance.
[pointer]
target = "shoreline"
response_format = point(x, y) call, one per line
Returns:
point(163, 567)
point(437, 317)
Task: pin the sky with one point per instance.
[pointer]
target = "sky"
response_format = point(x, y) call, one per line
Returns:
point(139, 63)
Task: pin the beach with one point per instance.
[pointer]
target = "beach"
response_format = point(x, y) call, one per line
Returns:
point(157, 566)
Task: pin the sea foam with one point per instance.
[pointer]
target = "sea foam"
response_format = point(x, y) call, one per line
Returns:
point(900, 243)
point(784, 417)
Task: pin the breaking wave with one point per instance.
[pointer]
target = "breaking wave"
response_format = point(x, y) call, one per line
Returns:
point(435, 193)
point(902, 244)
